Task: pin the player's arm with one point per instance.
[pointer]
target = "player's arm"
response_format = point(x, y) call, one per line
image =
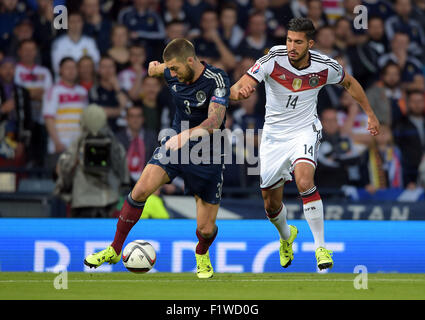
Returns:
point(243, 88)
point(356, 91)
point(156, 69)
point(216, 114)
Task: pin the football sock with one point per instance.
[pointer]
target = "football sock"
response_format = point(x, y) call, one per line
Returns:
point(129, 215)
point(278, 218)
point(313, 213)
point(204, 242)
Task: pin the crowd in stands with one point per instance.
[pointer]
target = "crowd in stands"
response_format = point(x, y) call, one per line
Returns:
point(48, 76)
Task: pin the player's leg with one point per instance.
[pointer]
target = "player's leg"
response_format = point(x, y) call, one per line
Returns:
point(276, 213)
point(313, 209)
point(276, 210)
point(152, 177)
point(206, 232)
point(274, 172)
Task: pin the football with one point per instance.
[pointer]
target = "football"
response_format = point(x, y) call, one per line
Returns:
point(139, 256)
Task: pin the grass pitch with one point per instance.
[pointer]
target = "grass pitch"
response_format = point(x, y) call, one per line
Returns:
point(224, 286)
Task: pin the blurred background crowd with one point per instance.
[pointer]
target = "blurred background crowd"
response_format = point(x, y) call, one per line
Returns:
point(48, 76)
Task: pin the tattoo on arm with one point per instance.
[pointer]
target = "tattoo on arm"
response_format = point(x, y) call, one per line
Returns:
point(216, 113)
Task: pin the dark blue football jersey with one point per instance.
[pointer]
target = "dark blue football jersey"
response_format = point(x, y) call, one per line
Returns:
point(192, 100)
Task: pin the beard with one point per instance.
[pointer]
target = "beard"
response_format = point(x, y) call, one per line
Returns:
point(188, 75)
point(299, 57)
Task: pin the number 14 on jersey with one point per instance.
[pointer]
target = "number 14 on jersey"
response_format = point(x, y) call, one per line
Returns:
point(292, 101)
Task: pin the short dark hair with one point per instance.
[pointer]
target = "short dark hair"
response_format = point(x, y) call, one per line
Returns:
point(179, 48)
point(229, 6)
point(302, 25)
point(65, 60)
point(411, 92)
point(25, 41)
point(388, 65)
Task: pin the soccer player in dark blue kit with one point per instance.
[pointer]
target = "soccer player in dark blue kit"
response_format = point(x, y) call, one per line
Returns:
point(201, 94)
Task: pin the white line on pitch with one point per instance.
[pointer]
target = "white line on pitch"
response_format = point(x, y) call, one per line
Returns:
point(216, 280)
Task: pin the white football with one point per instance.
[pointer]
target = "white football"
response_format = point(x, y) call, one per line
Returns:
point(139, 256)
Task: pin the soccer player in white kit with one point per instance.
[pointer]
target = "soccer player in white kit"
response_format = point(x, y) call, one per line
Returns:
point(293, 76)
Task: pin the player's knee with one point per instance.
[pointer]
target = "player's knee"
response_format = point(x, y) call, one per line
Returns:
point(140, 194)
point(271, 205)
point(304, 184)
point(206, 230)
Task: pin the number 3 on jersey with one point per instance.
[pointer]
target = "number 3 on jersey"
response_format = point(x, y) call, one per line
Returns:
point(187, 107)
point(292, 102)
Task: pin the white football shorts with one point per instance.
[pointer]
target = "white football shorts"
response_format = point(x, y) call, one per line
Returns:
point(278, 156)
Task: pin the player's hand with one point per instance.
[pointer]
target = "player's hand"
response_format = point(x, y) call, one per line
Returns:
point(373, 125)
point(177, 141)
point(152, 68)
point(245, 92)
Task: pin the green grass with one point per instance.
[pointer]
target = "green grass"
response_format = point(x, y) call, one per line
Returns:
point(182, 286)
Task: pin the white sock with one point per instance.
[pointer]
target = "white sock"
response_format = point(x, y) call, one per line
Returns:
point(279, 220)
point(313, 213)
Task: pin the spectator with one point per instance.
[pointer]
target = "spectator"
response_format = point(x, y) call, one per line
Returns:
point(379, 8)
point(96, 25)
point(299, 8)
point(73, 44)
point(149, 102)
point(402, 22)
point(388, 91)
point(316, 14)
point(62, 108)
point(399, 54)
point(359, 35)
point(274, 28)
point(385, 169)
point(337, 156)
point(37, 80)
point(143, 24)
point(230, 31)
point(353, 121)
point(15, 117)
point(256, 43)
point(418, 12)
point(380, 103)
point(343, 34)
point(10, 16)
point(24, 30)
point(108, 94)
point(245, 117)
point(368, 54)
point(117, 7)
point(194, 10)
point(130, 79)
point(119, 49)
point(175, 29)
point(246, 120)
point(209, 45)
point(86, 72)
point(325, 42)
point(42, 20)
point(409, 135)
point(139, 143)
point(173, 11)
point(92, 169)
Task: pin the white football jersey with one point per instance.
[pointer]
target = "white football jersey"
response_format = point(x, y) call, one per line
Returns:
point(33, 77)
point(65, 104)
point(291, 93)
point(64, 47)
